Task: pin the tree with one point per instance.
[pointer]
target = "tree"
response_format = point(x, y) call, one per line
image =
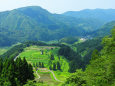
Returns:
point(54, 66)
point(33, 64)
point(15, 73)
point(42, 65)
point(58, 66)
point(30, 72)
point(37, 65)
point(101, 70)
point(113, 33)
point(50, 67)
point(11, 75)
point(25, 71)
point(52, 57)
point(95, 54)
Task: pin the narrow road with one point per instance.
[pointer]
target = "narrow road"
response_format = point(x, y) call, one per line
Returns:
point(55, 76)
point(16, 58)
point(37, 75)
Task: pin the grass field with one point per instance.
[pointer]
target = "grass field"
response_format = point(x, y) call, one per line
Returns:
point(36, 54)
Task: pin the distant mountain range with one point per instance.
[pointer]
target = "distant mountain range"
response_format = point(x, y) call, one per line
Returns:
point(105, 15)
point(103, 31)
point(35, 23)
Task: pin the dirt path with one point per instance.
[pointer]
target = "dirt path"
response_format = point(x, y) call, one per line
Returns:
point(16, 58)
point(55, 76)
point(37, 75)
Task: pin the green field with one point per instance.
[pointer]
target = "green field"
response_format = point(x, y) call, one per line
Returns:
point(36, 54)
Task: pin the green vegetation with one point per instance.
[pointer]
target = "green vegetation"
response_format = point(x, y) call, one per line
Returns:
point(69, 40)
point(34, 54)
point(104, 30)
point(53, 61)
point(48, 55)
point(85, 49)
point(69, 54)
point(34, 23)
point(15, 73)
point(16, 49)
point(42, 58)
point(3, 50)
point(101, 70)
point(105, 15)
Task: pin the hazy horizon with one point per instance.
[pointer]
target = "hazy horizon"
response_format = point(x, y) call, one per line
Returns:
point(58, 6)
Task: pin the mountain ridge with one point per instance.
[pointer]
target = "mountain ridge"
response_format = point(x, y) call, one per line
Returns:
point(35, 23)
point(104, 14)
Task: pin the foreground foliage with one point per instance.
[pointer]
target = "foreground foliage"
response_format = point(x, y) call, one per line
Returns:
point(101, 71)
point(15, 73)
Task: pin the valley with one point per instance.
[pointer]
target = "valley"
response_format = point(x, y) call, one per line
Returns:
point(41, 56)
point(34, 23)
point(40, 48)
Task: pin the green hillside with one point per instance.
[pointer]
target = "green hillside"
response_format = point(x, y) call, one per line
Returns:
point(104, 30)
point(105, 15)
point(101, 70)
point(54, 64)
point(41, 58)
point(39, 48)
point(35, 23)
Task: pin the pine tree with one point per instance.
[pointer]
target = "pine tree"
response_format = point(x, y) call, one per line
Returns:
point(19, 70)
point(11, 75)
point(52, 57)
point(15, 73)
point(54, 66)
point(33, 64)
point(25, 73)
point(58, 66)
point(37, 65)
point(30, 72)
point(50, 67)
point(42, 65)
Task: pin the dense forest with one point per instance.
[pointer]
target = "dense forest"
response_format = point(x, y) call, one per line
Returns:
point(15, 73)
point(37, 24)
point(101, 70)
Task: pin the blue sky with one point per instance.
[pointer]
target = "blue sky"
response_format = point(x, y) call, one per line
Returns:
point(58, 6)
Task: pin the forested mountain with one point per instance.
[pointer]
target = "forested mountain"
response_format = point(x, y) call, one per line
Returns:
point(6, 41)
point(91, 59)
point(103, 31)
point(101, 70)
point(35, 23)
point(105, 15)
